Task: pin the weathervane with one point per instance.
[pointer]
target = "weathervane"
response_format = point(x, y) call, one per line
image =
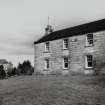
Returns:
point(48, 20)
point(48, 29)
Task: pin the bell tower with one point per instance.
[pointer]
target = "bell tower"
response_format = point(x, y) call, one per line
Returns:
point(48, 28)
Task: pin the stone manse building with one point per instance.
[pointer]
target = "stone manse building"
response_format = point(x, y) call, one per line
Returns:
point(78, 49)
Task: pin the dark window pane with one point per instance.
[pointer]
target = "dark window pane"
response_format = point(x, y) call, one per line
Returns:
point(90, 64)
point(90, 41)
point(90, 36)
point(66, 65)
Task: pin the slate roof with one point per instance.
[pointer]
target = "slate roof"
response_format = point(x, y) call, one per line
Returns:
point(74, 31)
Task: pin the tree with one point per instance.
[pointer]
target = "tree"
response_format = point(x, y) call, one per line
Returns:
point(19, 69)
point(2, 72)
point(12, 72)
point(25, 68)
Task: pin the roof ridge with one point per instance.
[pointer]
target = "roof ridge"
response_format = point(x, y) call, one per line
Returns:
point(75, 30)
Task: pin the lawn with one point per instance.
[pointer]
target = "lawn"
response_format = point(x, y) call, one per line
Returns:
point(52, 90)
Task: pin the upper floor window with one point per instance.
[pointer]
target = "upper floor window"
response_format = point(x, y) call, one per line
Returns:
point(47, 46)
point(65, 63)
point(65, 43)
point(89, 39)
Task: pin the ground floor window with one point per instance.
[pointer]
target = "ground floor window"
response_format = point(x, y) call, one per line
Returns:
point(46, 63)
point(89, 61)
point(65, 62)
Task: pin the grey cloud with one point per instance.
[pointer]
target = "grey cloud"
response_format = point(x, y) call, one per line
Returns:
point(23, 21)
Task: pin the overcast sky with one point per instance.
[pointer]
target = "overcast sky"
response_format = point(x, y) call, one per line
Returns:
point(23, 21)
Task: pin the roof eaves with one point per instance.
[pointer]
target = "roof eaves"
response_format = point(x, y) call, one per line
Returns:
point(76, 30)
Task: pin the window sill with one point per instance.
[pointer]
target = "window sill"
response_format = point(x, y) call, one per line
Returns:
point(89, 68)
point(46, 52)
point(46, 70)
point(65, 68)
point(65, 49)
point(88, 45)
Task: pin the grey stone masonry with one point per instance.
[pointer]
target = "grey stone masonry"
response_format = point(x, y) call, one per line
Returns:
point(76, 53)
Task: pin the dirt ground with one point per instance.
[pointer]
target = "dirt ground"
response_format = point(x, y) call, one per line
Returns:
point(52, 90)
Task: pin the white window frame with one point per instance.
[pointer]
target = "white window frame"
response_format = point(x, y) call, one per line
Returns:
point(47, 64)
point(47, 46)
point(65, 45)
point(87, 61)
point(67, 58)
point(88, 40)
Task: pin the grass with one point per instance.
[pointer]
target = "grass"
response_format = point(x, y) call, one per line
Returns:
point(52, 90)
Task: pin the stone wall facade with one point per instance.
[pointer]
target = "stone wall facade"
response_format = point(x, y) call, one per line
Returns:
point(76, 52)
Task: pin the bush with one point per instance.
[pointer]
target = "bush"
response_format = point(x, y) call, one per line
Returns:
point(11, 72)
point(2, 72)
point(25, 68)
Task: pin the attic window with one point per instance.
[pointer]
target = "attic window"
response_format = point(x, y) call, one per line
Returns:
point(65, 43)
point(89, 39)
point(47, 46)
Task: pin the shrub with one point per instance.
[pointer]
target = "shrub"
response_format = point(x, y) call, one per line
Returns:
point(25, 68)
point(2, 72)
point(11, 72)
